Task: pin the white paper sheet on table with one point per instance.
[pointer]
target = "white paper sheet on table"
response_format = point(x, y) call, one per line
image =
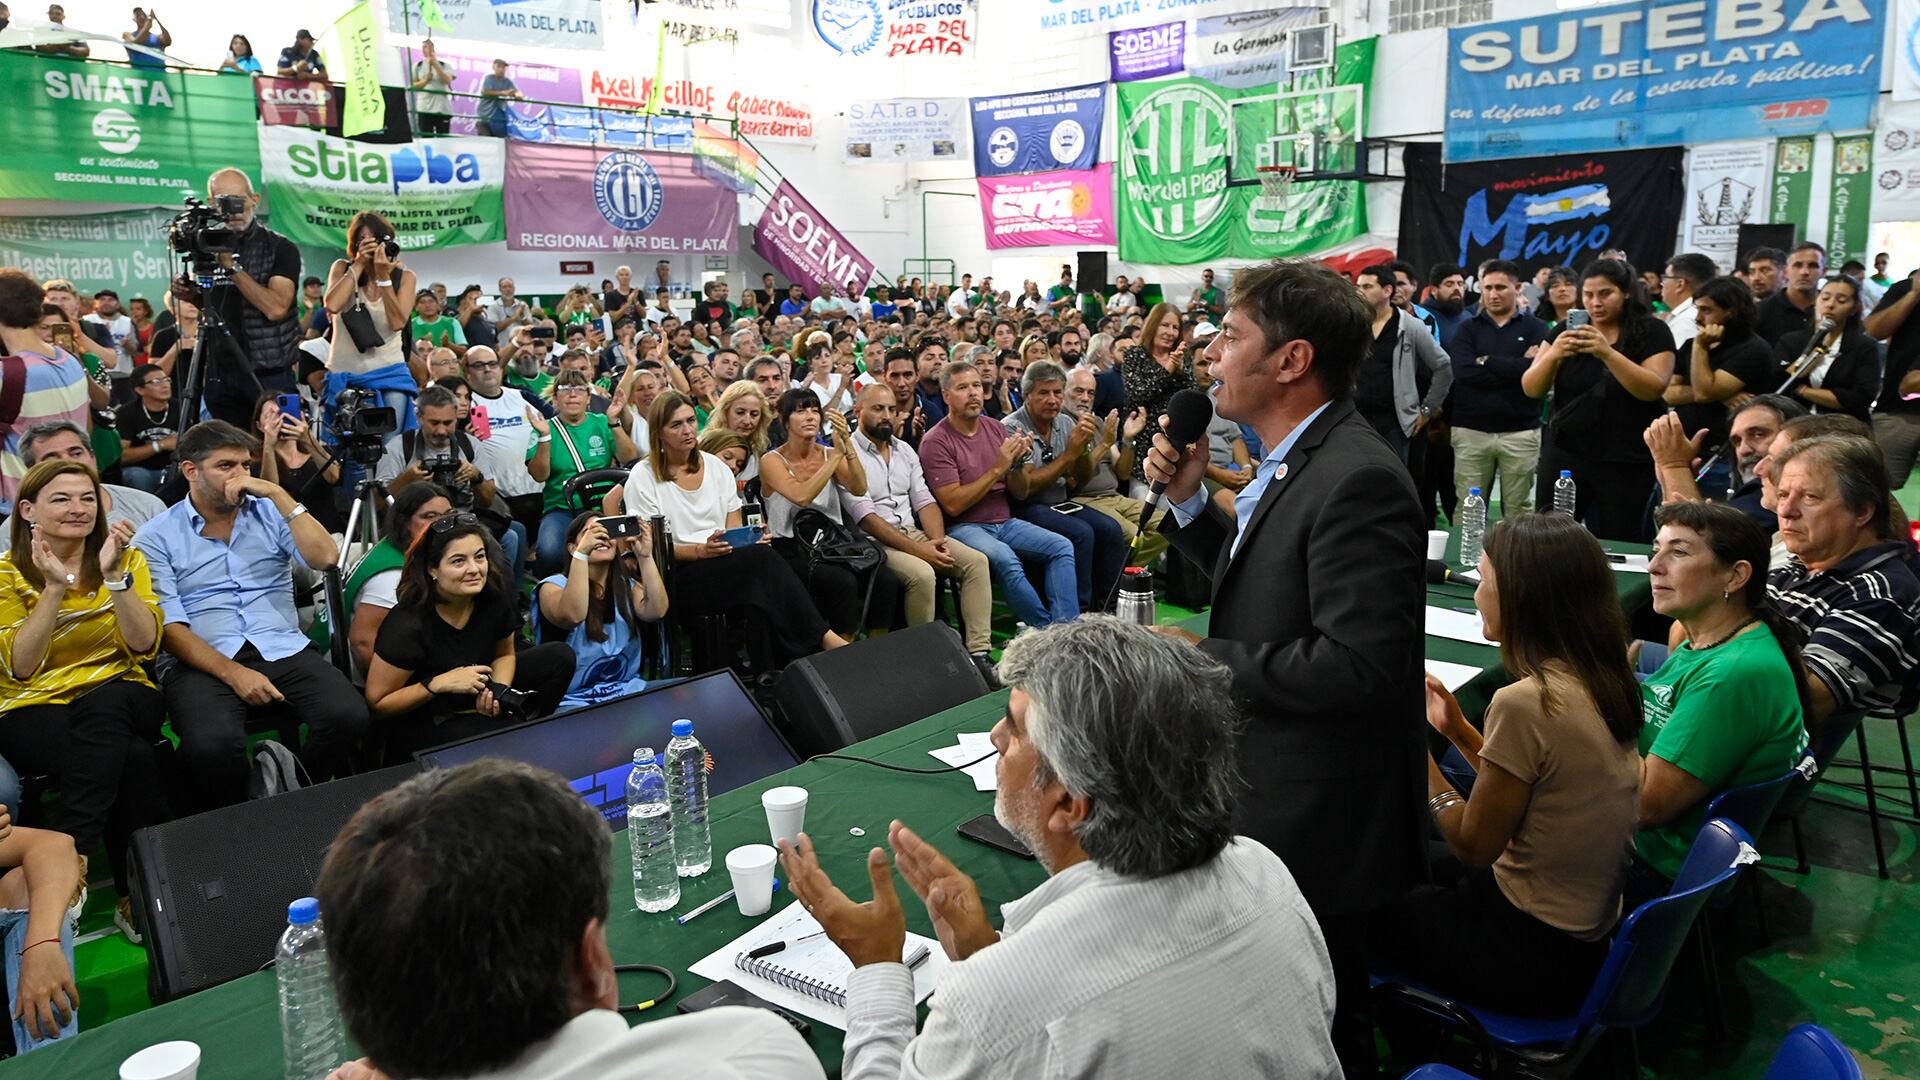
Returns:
point(971, 746)
point(1629, 564)
point(1452, 676)
point(1458, 625)
point(792, 922)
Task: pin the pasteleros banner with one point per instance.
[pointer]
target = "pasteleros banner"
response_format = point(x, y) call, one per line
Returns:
point(804, 247)
point(582, 199)
point(1041, 209)
point(436, 192)
point(81, 131)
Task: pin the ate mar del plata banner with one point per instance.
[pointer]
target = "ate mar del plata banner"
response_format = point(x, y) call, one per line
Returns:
point(435, 192)
point(80, 131)
point(1554, 211)
point(1668, 73)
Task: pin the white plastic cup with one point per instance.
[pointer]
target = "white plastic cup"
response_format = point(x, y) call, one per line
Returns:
point(1437, 543)
point(786, 813)
point(163, 1061)
point(751, 867)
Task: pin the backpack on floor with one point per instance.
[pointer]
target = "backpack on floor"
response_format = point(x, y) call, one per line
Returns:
point(275, 771)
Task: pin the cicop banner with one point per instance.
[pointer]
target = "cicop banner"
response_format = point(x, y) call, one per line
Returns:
point(1726, 188)
point(1041, 209)
point(299, 102)
point(803, 246)
point(547, 24)
point(1557, 211)
point(539, 82)
point(1147, 53)
point(1666, 73)
point(125, 251)
point(1849, 199)
point(1039, 132)
point(97, 132)
point(435, 192)
point(1896, 164)
point(905, 129)
point(580, 199)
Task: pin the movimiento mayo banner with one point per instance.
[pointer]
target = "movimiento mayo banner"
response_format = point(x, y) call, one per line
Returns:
point(435, 192)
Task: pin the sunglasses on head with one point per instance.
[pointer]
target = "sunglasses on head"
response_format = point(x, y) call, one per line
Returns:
point(446, 523)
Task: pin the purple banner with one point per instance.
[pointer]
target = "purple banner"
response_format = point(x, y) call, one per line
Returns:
point(1149, 52)
point(536, 82)
point(1041, 209)
point(580, 199)
point(804, 247)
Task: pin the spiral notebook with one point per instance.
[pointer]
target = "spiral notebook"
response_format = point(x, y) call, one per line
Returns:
point(809, 976)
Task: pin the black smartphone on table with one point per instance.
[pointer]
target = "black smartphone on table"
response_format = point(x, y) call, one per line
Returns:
point(986, 829)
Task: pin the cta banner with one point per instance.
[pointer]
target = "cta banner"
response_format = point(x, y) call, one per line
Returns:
point(298, 102)
point(1038, 132)
point(1147, 53)
point(580, 199)
point(1726, 188)
point(1896, 165)
point(1557, 211)
point(97, 132)
point(436, 193)
point(905, 129)
point(126, 252)
point(1042, 209)
point(1849, 199)
point(1669, 72)
point(539, 82)
point(804, 247)
point(546, 24)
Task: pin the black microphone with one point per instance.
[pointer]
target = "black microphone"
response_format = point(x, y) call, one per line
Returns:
point(1815, 344)
point(1439, 573)
point(1188, 415)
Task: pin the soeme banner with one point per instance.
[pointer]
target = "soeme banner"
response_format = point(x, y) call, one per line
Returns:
point(97, 132)
point(1896, 164)
point(1792, 182)
point(1557, 211)
point(1049, 208)
point(126, 252)
point(547, 24)
point(1147, 53)
point(539, 82)
point(299, 102)
point(1666, 73)
point(580, 199)
point(1726, 188)
point(803, 246)
point(1850, 199)
point(905, 129)
point(436, 192)
point(1039, 132)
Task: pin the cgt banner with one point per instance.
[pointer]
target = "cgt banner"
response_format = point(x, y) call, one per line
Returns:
point(297, 102)
point(547, 24)
point(803, 246)
point(437, 193)
point(1557, 211)
point(1038, 132)
point(904, 129)
point(581, 199)
point(1042, 209)
point(98, 132)
point(1665, 73)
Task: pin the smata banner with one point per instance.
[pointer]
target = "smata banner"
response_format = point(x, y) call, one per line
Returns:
point(1147, 53)
point(804, 247)
point(1849, 199)
point(1043, 131)
point(1247, 48)
point(1665, 73)
point(1896, 164)
point(126, 251)
point(548, 24)
point(1557, 211)
point(437, 193)
point(1726, 188)
point(905, 129)
point(299, 102)
point(539, 82)
point(580, 199)
point(896, 28)
point(98, 132)
point(1792, 182)
point(1041, 209)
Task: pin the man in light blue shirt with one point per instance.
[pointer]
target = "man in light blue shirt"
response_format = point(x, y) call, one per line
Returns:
point(222, 571)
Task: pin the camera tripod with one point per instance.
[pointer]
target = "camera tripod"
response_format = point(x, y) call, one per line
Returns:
point(191, 400)
point(363, 529)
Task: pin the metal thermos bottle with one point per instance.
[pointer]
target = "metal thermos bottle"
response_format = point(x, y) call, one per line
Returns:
point(1135, 602)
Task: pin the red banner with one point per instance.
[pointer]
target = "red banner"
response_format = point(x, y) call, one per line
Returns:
point(297, 102)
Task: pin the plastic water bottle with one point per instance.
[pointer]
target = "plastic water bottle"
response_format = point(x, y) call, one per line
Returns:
point(687, 783)
point(1563, 493)
point(310, 1030)
point(656, 881)
point(1473, 526)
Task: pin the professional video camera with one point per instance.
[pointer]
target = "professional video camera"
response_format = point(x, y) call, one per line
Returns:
point(444, 469)
point(201, 234)
point(361, 429)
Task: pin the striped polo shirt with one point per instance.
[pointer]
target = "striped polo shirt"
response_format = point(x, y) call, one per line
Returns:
point(56, 390)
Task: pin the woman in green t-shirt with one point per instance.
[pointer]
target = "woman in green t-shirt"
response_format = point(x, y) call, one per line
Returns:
point(1726, 709)
point(580, 441)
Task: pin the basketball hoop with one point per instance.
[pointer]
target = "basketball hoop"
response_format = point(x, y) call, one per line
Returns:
point(1275, 182)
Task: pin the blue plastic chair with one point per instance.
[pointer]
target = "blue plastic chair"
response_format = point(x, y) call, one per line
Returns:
point(1626, 993)
point(1810, 1053)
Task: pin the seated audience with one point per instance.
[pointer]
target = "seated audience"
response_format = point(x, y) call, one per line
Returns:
point(972, 465)
point(78, 620)
point(60, 440)
point(145, 425)
point(449, 640)
point(1845, 377)
point(596, 607)
point(1112, 454)
point(575, 441)
point(1189, 950)
point(42, 877)
point(1536, 850)
point(372, 586)
point(291, 458)
point(801, 475)
point(528, 990)
point(1056, 465)
point(222, 563)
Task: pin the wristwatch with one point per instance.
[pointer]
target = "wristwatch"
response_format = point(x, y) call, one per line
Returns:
point(124, 583)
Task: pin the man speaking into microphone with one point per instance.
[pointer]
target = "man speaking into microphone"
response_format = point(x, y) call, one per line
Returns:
point(1317, 609)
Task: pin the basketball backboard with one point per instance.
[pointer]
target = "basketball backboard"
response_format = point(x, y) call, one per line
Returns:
point(1316, 131)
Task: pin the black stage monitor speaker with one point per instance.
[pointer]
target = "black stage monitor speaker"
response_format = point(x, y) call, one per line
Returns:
point(1758, 236)
point(212, 890)
point(1091, 275)
point(834, 699)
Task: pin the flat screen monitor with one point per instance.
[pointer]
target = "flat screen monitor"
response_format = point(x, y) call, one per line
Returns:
point(593, 747)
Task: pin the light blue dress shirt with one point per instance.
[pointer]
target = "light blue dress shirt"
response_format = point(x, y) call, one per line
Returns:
point(229, 593)
point(1249, 496)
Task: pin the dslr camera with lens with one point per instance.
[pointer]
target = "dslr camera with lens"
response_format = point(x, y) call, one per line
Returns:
point(444, 469)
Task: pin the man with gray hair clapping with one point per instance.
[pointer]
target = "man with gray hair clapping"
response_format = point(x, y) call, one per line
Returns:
point(1160, 945)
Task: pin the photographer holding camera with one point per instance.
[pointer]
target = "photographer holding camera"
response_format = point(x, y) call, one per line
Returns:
point(371, 297)
point(439, 452)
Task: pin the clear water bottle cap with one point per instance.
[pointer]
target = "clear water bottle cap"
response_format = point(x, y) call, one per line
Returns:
point(1566, 474)
point(1473, 491)
point(682, 727)
point(304, 911)
point(644, 756)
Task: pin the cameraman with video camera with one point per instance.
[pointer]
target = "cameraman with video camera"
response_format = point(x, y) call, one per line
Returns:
point(438, 451)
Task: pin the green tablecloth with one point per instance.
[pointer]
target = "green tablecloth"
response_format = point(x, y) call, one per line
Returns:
point(237, 1024)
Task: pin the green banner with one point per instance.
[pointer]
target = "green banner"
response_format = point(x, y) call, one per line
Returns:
point(436, 193)
point(1792, 183)
point(126, 252)
point(1852, 195)
point(359, 40)
point(1176, 206)
point(82, 131)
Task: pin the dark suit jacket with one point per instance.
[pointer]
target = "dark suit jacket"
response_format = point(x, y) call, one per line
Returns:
point(1321, 617)
point(1110, 393)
